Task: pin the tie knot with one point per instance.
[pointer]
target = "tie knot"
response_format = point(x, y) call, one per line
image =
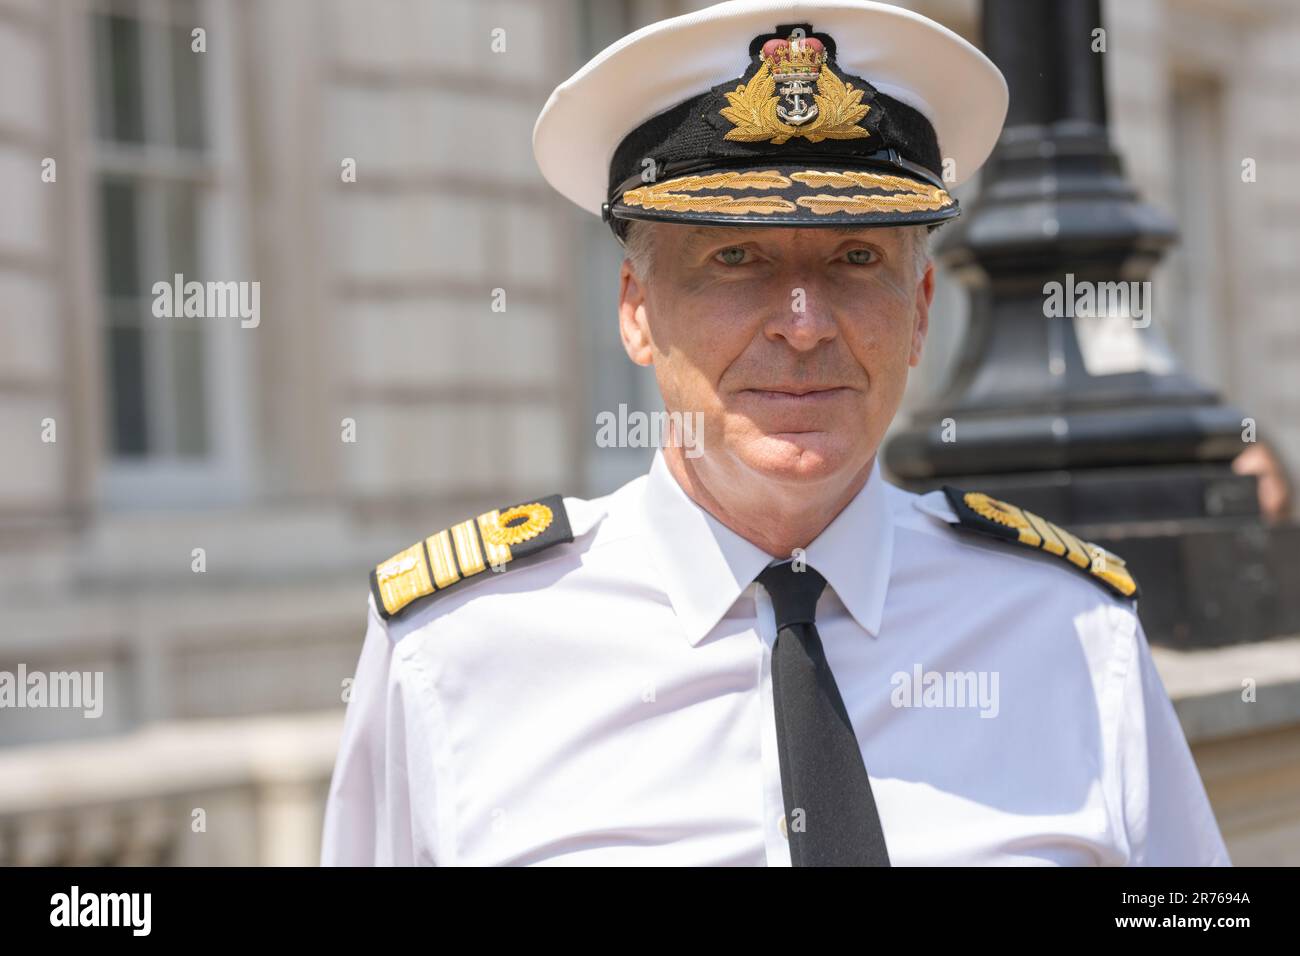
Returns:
point(794, 593)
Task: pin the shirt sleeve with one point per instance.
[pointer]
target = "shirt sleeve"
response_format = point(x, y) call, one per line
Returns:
point(1167, 814)
point(367, 812)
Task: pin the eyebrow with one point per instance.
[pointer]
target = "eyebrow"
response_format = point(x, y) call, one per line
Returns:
point(709, 230)
point(705, 232)
point(698, 235)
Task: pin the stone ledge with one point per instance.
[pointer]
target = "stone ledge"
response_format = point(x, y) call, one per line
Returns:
point(172, 757)
point(1205, 686)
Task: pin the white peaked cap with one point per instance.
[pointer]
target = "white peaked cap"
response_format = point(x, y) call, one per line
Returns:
point(903, 55)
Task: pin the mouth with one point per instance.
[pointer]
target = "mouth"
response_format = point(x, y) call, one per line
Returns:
point(797, 394)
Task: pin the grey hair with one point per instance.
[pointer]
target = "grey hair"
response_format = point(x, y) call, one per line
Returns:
point(638, 246)
point(920, 248)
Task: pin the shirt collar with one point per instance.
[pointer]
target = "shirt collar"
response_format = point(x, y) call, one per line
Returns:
point(706, 566)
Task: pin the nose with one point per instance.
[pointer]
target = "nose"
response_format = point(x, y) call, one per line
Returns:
point(804, 320)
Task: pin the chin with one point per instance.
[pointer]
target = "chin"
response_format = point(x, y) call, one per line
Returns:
point(798, 457)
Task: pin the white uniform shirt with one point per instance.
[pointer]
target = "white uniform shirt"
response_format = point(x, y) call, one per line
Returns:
point(611, 703)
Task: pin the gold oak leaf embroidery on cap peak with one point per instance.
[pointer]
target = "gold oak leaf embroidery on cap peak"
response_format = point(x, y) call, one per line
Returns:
point(903, 195)
point(672, 194)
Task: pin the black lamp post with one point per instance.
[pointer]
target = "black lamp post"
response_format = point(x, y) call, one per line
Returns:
point(1069, 410)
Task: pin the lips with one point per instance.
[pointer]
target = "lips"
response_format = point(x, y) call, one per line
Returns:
point(797, 389)
point(806, 392)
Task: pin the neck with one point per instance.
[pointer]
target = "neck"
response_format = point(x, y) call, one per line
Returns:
point(780, 517)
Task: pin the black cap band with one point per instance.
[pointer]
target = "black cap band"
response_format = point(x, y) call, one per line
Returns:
point(800, 118)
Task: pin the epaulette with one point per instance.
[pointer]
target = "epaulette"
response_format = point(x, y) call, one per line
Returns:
point(978, 512)
point(447, 559)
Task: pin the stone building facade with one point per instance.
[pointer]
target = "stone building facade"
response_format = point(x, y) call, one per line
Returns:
point(190, 505)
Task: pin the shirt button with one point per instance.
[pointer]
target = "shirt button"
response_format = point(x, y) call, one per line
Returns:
point(780, 823)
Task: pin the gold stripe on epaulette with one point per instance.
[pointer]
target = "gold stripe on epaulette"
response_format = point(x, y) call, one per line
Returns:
point(1077, 555)
point(403, 578)
point(1052, 544)
point(1005, 514)
point(468, 553)
point(498, 552)
point(442, 558)
point(1111, 567)
point(1037, 531)
point(446, 557)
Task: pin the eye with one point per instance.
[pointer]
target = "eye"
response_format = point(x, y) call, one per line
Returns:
point(731, 256)
point(861, 257)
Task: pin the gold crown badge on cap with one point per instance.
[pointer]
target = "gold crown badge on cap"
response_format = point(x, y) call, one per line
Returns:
point(778, 103)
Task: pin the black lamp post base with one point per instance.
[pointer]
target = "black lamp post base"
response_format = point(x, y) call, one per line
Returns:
point(1081, 414)
point(1211, 571)
point(1212, 581)
point(1085, 497)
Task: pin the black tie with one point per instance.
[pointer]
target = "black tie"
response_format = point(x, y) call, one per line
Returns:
point(830, 813)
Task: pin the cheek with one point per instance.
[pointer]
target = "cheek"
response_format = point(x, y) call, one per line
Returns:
point(880, 333)
point(700, 333)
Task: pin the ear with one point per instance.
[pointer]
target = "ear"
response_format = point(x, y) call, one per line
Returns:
point(924, 296)
point(633, 326)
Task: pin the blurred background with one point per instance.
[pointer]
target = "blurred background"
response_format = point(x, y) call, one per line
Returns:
point(190, 507)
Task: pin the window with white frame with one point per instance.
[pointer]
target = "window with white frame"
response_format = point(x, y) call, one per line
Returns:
point(163, 211)
point(1197, 263)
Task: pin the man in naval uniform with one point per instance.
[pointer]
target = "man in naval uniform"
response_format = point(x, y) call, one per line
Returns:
point(762, 652)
